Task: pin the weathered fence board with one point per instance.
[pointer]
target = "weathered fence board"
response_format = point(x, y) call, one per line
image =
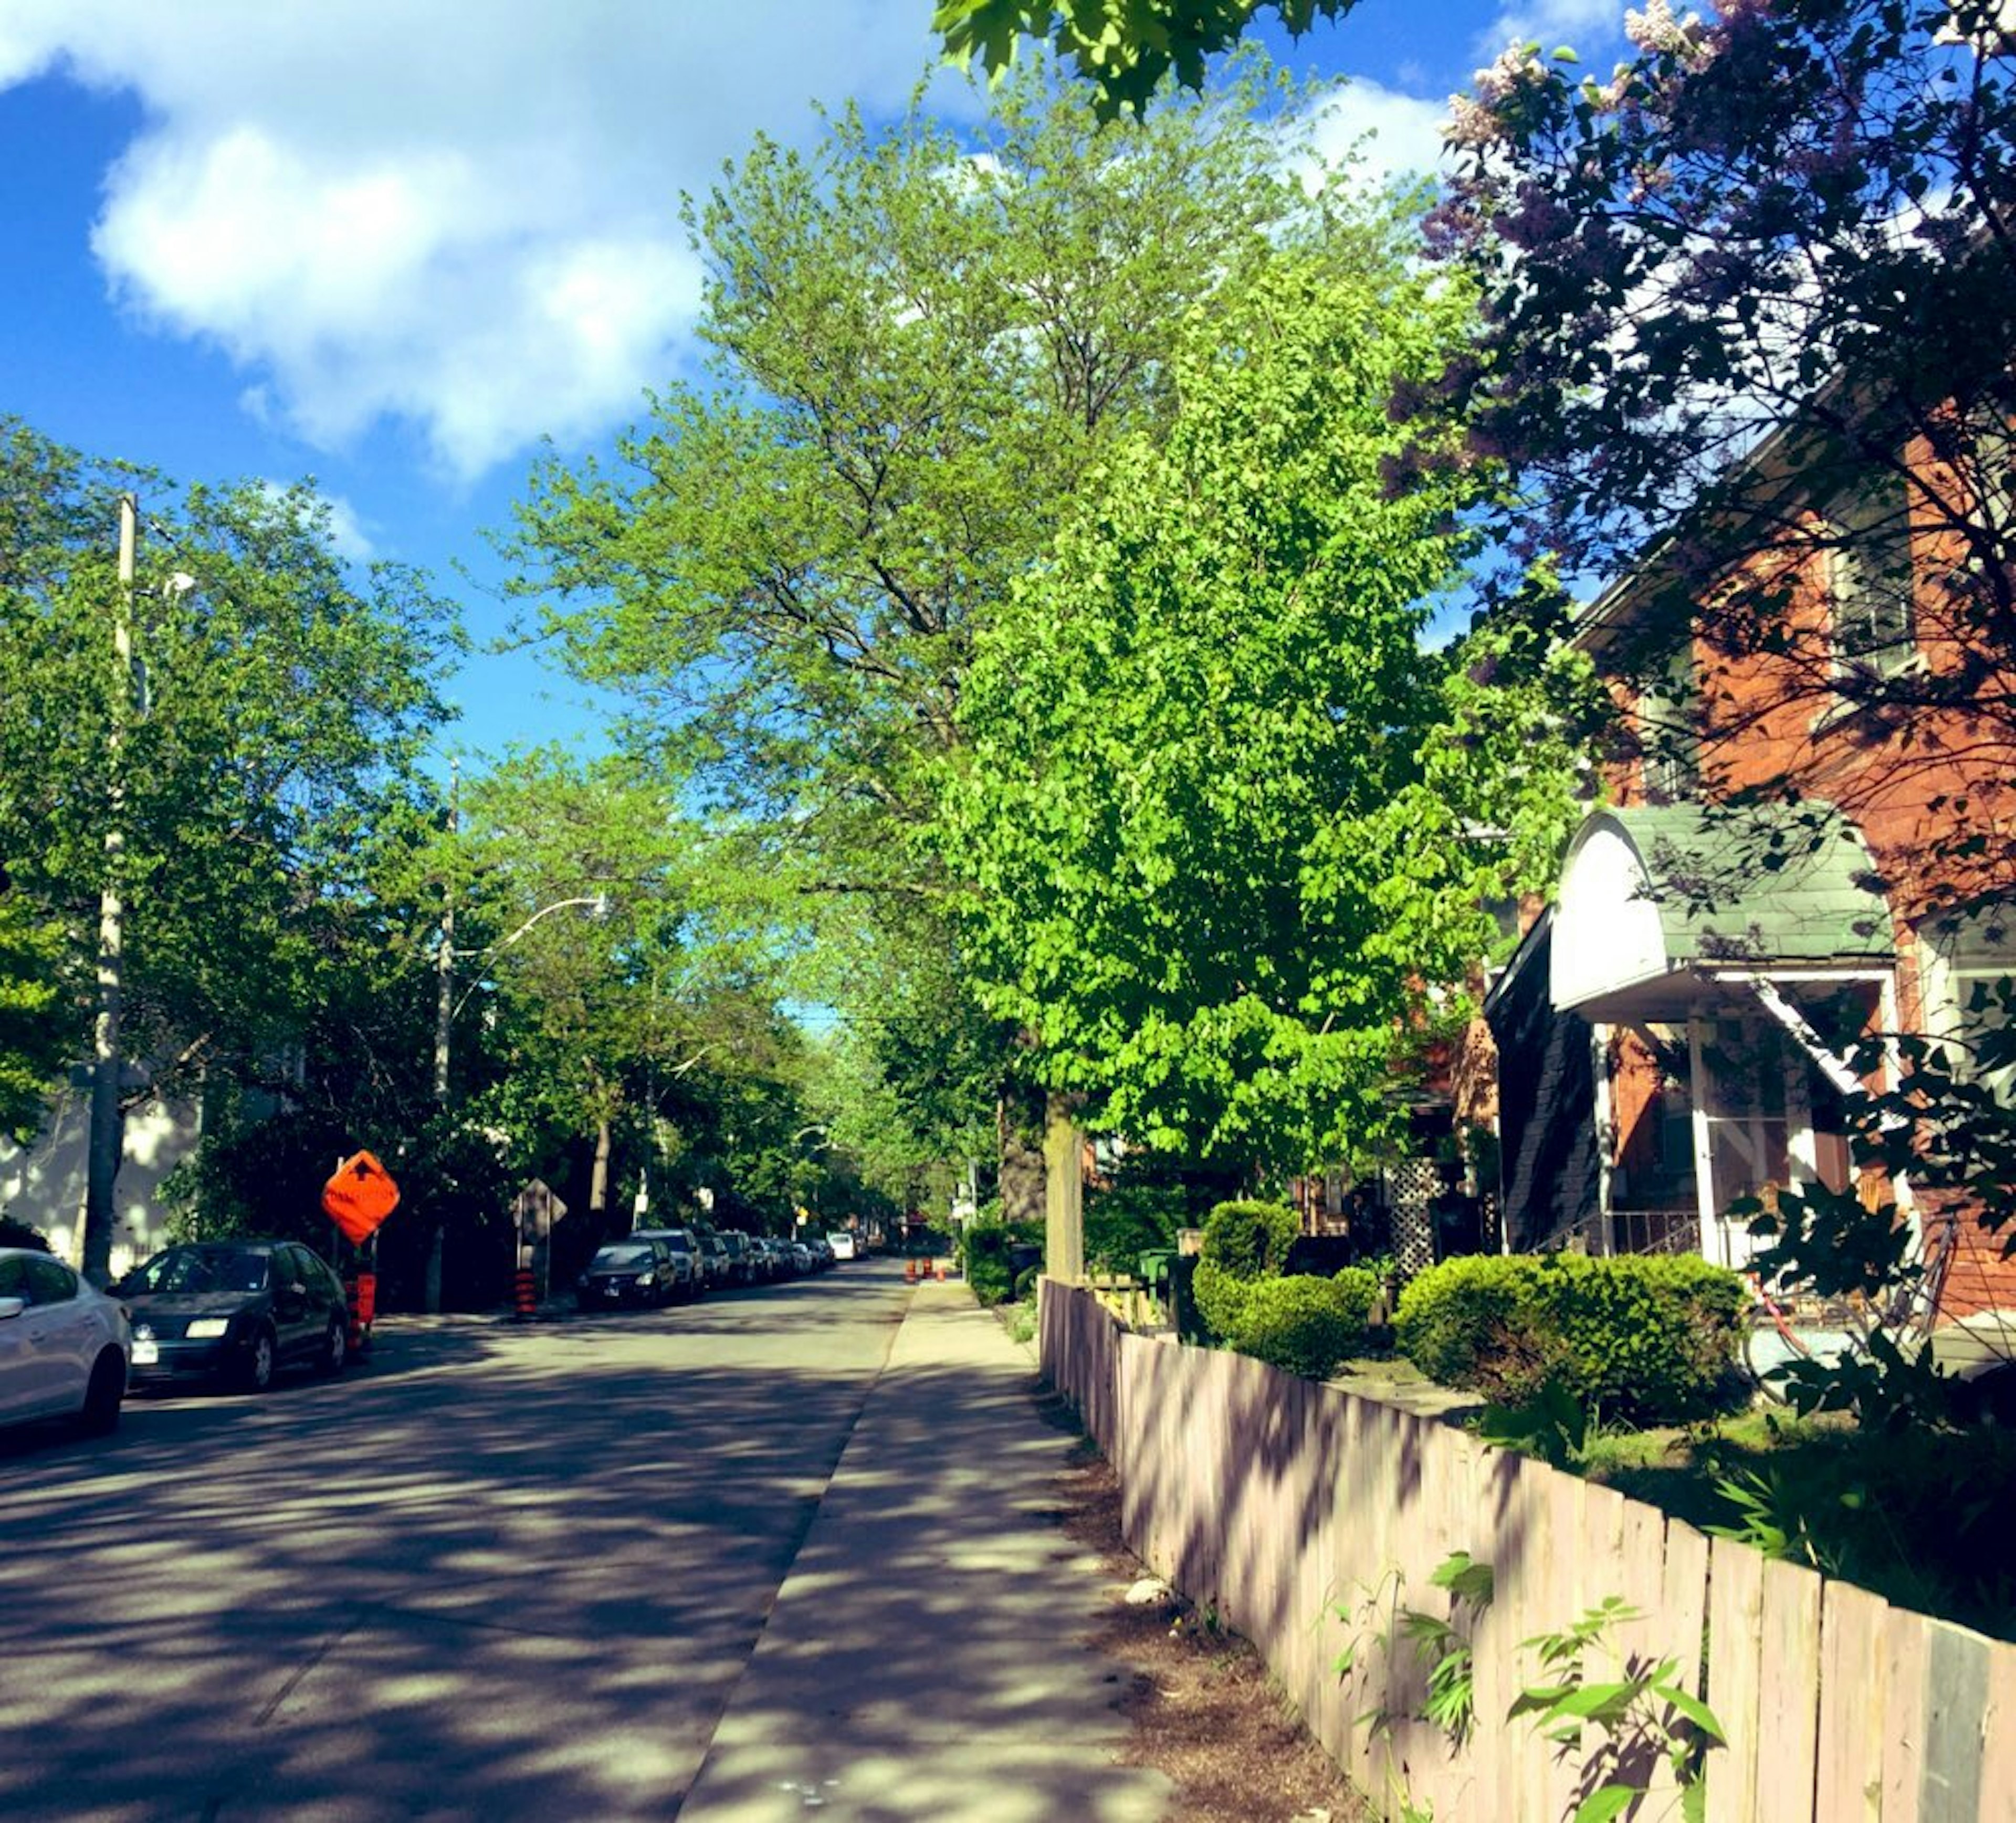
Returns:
point(1311, 1516)
point(1852, 1696)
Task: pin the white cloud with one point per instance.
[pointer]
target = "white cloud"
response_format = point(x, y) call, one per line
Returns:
point(1394, 135)
point(1587, 25)
point(462, 215)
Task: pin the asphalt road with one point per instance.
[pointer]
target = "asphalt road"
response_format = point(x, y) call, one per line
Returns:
point(494, 1571)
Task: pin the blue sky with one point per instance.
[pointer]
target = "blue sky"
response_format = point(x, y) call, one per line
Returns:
point(394, 246)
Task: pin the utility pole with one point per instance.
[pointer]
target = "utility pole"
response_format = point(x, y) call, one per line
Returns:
point(107, 1125)
point(444, 1020)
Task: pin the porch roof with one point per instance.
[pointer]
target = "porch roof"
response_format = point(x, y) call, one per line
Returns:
point(1653, 898)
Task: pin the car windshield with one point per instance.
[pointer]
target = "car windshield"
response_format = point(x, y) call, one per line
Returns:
point(623, 1259)
point(202, 1269)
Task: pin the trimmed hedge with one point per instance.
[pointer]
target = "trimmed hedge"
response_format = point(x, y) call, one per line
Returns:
point(1649, 1340)
point(1305, 1324)
point(1300, 1323)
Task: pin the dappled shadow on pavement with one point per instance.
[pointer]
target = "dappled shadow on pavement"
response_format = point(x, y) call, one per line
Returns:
point(497, 1573)
point(929, 1657)
point(512, 1571)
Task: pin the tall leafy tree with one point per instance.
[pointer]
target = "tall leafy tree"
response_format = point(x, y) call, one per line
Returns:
point(1230, 823)
point(272, 710)
point(33, 1033)
point(921, 343)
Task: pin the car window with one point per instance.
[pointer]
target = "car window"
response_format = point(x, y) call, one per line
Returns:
point(13, 1278)
point(243, 1271)
point(50, 1282)
point(307, 1269)
point(179, 1269)
point(626, 1257)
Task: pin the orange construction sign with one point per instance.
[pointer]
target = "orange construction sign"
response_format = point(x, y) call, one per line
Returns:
point(359, 1197)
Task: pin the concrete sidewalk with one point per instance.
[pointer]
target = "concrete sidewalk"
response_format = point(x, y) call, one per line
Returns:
point(926, 1657)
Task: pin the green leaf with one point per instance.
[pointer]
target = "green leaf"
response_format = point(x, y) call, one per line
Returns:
point(1606, 1802)
point(1693, 1708)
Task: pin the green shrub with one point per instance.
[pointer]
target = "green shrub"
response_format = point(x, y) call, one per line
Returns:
point(984, 1255)
point(1304, 1325)
point(1122, 1221)
point(1250, 1240)
point(1644, 1339)
point(1219, 1296)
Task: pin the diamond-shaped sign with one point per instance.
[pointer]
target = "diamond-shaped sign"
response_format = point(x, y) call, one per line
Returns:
point(359, 1197)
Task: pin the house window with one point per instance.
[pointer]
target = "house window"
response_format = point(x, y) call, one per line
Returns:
point(1973, 961)
point(1869, 548)
point(1667, 743)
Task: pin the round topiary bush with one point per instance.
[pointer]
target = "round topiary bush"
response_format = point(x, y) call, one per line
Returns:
point(1250, 1239)
point(18, 1234)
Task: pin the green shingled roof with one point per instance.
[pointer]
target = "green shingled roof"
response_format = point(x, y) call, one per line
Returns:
point(1773, 884)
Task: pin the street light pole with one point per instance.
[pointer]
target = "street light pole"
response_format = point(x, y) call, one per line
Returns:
point(107, 1139)
point(444, 1024)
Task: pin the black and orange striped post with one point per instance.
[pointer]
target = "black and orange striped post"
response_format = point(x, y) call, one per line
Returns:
point(526, 1293)
point(361, 1295)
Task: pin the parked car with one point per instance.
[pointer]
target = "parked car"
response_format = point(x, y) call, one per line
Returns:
point(713, 1256)
point(687, 1279)
point(236, 1312)
point(801, 1257)
point(821, 1250)
point(842, 1241)
point(64, 1345)
point(741, 1265)
point(764, 1259)
point(628, 1273)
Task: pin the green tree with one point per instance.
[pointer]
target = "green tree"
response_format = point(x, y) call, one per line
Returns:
point(1124, 48)
point(34, 1035)
point(1757, 293)
point(1230, 826)
point(273, 711)
point(921, 344)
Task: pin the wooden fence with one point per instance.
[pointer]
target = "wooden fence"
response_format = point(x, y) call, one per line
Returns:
point(1309, 1516)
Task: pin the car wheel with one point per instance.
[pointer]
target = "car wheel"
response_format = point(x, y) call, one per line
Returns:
point(255, 1372)
point(334, 1348)
point(100, 1415)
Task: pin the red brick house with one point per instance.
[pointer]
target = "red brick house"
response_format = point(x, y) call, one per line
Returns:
point(1802, 842)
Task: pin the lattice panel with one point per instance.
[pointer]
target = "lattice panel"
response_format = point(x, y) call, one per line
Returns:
point(1410, 1186)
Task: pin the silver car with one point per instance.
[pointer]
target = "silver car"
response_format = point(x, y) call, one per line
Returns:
point(64, 1345)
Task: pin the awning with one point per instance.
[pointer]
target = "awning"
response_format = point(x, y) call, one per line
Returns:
point(1654, 899)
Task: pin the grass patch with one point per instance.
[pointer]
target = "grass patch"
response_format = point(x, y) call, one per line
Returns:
point(1915, 1517)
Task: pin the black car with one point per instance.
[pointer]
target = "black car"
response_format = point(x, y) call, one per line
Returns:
point(628, 1273)
point(235, 1312)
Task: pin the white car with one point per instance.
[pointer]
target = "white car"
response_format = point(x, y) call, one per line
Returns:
point(64, 1345)
point(842, 1241)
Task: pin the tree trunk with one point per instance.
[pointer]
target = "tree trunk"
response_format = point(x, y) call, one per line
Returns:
point(1018, 1128)
point(598, 1178)
point(1064, 1216)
